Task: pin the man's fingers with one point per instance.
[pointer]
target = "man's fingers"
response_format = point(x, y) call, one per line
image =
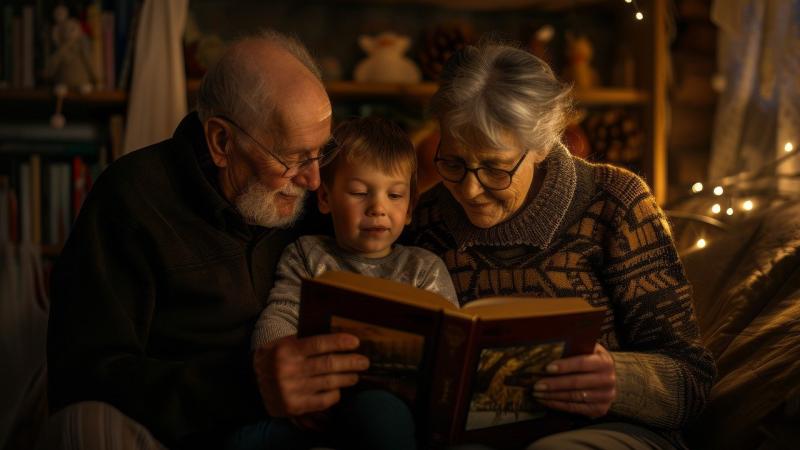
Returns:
point(329, 382)
point(335, 363)
point(326, 343)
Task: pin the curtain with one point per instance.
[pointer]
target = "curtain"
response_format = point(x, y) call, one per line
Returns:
point(758, 112)
point(157, 99)
point(23, 328)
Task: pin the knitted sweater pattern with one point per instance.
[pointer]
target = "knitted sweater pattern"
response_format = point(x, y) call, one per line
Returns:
point(593, 231)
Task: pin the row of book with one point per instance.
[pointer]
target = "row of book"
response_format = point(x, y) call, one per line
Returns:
point(44, 197)
point(47, 173)
point(28, 45)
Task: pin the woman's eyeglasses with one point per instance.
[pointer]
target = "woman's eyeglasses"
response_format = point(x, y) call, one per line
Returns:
point(455, 170)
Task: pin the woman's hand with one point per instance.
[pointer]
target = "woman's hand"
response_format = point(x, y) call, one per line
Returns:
point(585, 384)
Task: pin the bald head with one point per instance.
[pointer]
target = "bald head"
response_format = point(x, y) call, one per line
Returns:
point(260, 79)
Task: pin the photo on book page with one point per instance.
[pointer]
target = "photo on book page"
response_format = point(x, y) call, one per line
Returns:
point(394, 356)
point(503, 385)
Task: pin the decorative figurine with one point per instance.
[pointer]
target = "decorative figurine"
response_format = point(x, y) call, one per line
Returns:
point(385, 62)
point(579, 68)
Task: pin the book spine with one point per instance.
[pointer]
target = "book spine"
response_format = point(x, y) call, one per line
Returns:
point(450, 377)
point(94, 19)
point(16, 52)
point(8, 44)
point(27, 47)
point(108, 50)
point(36, 199)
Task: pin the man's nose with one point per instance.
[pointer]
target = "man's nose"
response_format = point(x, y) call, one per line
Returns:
point(308, 177)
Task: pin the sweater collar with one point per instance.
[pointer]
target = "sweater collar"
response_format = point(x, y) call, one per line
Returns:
point(537, 220)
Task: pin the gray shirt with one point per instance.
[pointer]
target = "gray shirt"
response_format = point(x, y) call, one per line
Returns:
point(310, 256)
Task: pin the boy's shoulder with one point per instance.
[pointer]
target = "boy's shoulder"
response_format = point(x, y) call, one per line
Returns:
point(411, 252)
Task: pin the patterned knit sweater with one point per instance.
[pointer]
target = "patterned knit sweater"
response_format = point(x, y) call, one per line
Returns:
point(593, 231)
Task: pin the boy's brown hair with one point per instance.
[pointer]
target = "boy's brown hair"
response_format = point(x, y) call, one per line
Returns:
point(376, 142)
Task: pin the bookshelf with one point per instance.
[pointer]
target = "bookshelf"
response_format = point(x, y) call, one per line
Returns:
point(646, 98)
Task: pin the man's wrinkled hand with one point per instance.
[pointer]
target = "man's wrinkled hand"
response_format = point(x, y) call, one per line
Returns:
point(300, 376)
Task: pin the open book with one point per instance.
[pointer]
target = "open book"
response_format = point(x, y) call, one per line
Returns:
point(467, 373)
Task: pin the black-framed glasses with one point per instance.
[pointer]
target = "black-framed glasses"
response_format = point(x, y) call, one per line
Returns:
point(326, 153)
point(455, 170)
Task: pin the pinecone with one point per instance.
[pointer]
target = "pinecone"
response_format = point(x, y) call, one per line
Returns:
point(439, 45)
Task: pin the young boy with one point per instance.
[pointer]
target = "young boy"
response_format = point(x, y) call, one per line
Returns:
point(369, 189)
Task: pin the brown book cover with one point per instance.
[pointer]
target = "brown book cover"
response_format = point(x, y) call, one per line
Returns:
point(468, 373)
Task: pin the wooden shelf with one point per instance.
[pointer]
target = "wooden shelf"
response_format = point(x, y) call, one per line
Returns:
point(338, 90)
point(99, 98)
point(610, 96)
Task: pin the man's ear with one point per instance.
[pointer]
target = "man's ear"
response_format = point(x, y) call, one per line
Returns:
point(322, 199)
point(218, 138)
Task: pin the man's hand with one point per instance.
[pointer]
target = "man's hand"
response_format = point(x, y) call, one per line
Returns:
point(301, 376)
point(585, 384)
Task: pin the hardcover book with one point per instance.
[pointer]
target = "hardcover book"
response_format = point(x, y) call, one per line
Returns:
point(467, 373)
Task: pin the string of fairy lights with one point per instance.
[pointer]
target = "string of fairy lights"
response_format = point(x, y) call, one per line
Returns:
point(638, 15)
point(727, 192)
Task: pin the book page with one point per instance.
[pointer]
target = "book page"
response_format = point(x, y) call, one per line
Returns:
point(507, 307)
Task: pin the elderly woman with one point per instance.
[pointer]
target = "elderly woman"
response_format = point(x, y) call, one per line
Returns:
point(516, 214)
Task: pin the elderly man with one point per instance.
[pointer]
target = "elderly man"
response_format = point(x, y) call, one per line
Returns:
point(168, 266)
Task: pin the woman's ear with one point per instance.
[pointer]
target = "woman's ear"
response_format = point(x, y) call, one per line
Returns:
point(322, 199)
point(218, 138)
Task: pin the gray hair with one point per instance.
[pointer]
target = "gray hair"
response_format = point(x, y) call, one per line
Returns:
point(492, 89)
point(234, 86)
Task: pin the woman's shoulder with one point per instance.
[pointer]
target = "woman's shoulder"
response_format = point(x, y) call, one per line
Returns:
point(617, 183)
point(428, 207)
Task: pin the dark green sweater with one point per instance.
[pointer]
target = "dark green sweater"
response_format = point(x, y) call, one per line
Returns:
point(592, 231)
point(156, 293)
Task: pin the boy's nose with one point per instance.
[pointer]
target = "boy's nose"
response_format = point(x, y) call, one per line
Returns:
point(376, 209)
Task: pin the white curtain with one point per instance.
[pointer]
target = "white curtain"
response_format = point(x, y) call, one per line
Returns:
point(23, 327)
point(157, 99)
point(759, 110)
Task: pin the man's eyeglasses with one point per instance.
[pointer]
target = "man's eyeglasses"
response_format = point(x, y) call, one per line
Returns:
point(293, 166)
point(454, 171)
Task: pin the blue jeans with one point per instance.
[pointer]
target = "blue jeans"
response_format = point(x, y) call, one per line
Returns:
point(368, 420)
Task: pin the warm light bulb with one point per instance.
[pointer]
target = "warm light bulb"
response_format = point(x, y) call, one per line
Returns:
point(639, 16)
point(697, 187)
point(718, 190)
point(788, 147)
point(729, 211)
point(747, 205)
point(628, 1)
point(716, 208)
point(701, 243)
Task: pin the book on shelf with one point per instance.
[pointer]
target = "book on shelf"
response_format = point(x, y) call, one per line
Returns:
point(468, 373)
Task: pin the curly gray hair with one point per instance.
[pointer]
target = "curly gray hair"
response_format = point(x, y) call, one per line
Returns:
point(492, 89)
point(234, 86)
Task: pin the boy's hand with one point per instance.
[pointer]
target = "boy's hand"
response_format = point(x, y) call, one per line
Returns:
point(300, 376)
point(585, 384)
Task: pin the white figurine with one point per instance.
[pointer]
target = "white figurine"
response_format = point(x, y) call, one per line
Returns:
point(385, 62)
point(70, 64)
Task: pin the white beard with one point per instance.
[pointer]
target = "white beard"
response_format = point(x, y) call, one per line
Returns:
point(257, 205)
